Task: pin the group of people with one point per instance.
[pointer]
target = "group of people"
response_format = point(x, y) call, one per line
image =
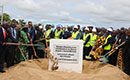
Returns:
point(98, 40)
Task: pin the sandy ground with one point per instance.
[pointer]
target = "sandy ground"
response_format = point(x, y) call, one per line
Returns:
point(34, 70)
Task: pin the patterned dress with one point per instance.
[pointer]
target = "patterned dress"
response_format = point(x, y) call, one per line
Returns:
point(23, 39)
point(99, 51)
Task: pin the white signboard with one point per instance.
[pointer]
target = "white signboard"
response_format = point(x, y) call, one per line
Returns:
point(69, 54)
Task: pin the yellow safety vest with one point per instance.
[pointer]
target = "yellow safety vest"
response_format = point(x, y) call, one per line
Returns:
point(47, 34)
point(92, 40)
point(108, 47)
point(57, 34)
point(85, 37)
point(75, 34)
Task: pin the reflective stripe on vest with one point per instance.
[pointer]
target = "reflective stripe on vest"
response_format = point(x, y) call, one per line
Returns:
point(108, 47)
point(47, 34)
point(74, 35)
point(88, 43)
point(57, 34)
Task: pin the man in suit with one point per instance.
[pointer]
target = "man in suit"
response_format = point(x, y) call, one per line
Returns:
point(3, 35)
point(11, 50)
point(39, 36)
point(31, 32)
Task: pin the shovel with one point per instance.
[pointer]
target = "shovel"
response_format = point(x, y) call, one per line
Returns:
point(51, 57)
point(104, 59)
point(17, 44)
point(88, 57)
point(22, 53)
point(35, 54)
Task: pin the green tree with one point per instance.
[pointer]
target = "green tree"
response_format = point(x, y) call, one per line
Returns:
point(6, 17)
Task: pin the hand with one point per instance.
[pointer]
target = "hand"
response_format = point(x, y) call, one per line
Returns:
point(100, 46)
point(31, 41)
point(70, 38)
point(36, 40)
point(116, 48)
point(48, 38)
point(20, 43)
point(4, 43)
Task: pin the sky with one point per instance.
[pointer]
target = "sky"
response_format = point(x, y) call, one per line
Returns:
point(101, 13)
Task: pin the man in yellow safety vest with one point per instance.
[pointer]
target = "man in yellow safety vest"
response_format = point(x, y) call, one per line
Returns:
point(91, 40)
point(76, 33)
point(108, 41)
point(58, 32)
point(48, 34)
point(85, 38)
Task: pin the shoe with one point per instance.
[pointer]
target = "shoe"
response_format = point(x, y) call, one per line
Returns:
point(2, 71)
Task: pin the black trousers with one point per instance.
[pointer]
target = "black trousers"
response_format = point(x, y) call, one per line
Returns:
point(127, 66)
point(105, 51)
point(10, 55)
point(2, 56)
point(113, 58)
point(126, 60)
point(86, 51)
point(40, 53)
point(31, 53)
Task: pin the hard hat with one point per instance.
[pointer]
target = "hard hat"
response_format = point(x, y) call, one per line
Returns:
point(40, 27)
point(109, 29)
point(90, 26)
point(59, 25)
point(86, 29)
point(94, 30)
point(76, 26)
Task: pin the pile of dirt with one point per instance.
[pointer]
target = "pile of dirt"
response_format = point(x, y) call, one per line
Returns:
point(35, 70)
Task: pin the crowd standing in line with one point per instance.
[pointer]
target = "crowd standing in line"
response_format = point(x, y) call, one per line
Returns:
point(96, 39)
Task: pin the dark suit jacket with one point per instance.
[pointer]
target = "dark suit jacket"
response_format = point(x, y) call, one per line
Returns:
point(11, 38)
point(2, 40)
point(38, 35)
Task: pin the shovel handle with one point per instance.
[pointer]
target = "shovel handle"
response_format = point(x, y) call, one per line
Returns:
point(32, 44)
point(22, 53)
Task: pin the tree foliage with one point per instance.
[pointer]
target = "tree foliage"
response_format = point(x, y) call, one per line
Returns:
point(21, 21)
point(6, 17)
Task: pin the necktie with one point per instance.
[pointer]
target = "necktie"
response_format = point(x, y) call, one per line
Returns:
point(4, 33)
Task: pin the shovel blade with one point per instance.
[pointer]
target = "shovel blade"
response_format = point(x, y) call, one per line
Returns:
point(88, 57)
point(103, 60)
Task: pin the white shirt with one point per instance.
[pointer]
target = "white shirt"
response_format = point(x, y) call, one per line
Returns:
point(13, 34)
point(3, 30)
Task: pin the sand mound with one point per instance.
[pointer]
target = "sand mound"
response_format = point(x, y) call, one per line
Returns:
point(35, 70)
